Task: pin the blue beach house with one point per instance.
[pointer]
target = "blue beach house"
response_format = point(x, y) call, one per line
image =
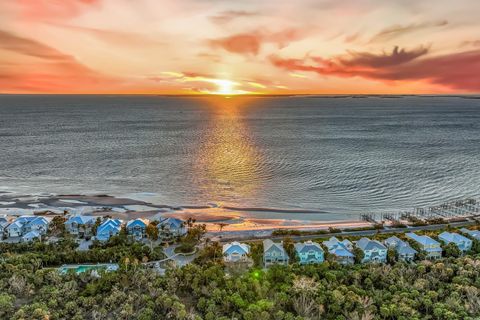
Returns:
point(235, 252)
point(373, 251)
point(309, 252)
point(108, 228)
point(431, 247)
point(403, 249)
point(462, 243)
point(341, 250)
point(137, 228)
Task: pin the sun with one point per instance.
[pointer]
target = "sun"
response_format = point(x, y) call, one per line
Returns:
point(225, 87)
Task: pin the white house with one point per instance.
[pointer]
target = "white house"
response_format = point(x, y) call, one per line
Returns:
point(235, 251)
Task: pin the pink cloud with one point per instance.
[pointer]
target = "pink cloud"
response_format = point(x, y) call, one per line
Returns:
point(44, 69)
point(457, 70)
point(250, 43)
point(54, 10)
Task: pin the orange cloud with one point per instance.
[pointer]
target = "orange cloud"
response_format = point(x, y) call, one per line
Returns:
point(54, 10)
point(456, 71)
point(250, 43)
point(44, 69)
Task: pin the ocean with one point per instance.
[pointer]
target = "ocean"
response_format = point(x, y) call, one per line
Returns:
point(341, 155)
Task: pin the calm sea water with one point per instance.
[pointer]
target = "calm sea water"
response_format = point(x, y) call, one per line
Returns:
point(340, 154)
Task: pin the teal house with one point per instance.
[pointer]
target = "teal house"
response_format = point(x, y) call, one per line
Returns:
point(309, 252)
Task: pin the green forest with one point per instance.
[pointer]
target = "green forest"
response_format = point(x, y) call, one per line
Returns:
point(32, 288)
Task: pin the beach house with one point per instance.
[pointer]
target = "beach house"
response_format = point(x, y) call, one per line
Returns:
point(80, 225)
point(340, 250)
point(373, 251)
point(171, 227)
point(137, 228)
point(309, 252)
point(39, 224)
point(403, 249)
point(274, 253)
point(21, 225)
point(475, 234)
point(14, 229)
point(235, 252)
point(32, 236)
point(431, 247)
point(108, 228)
point(462, 242)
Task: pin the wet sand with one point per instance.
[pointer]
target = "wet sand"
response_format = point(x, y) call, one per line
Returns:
point(217, 219)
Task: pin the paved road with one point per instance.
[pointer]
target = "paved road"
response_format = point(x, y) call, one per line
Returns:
point(355, 233)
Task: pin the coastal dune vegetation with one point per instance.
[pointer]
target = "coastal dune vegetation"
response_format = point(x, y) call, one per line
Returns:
point(31, 287)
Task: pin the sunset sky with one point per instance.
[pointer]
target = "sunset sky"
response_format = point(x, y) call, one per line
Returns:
point(233, 47)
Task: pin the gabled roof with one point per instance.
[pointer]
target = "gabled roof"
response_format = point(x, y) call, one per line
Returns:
point(473, 233)
point(453, 237)
point(15, 224)
point(405, 249)
point(32, 234)
point(176, 223)
point(138, 222)
point(109, 224)
point(25, 219)
point(237, 247)
point(269, 244)
point(423, 240)
point(392, 241)
point(366, 244)
point(341, 251)
point(39, 220)
point(82, 219)
point(307, 246)
point(4, 224)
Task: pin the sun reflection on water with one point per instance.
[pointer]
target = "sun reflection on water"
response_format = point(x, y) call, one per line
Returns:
point(228, 160)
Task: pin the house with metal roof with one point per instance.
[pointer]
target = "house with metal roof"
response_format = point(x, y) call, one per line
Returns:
point(80, 225)
point(235, 251)
point(340, 250)
point(108, 228)
point(14, 229)
point(462, 242)
point(403, 249)
point(274, 253)
point(373, 251)
point(168, 227)
point(137, 228)
point(32, 236)
point(431, 247)
point(475, 234)
point(309, 252)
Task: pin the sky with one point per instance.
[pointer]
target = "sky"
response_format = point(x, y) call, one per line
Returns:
point(240, 47)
